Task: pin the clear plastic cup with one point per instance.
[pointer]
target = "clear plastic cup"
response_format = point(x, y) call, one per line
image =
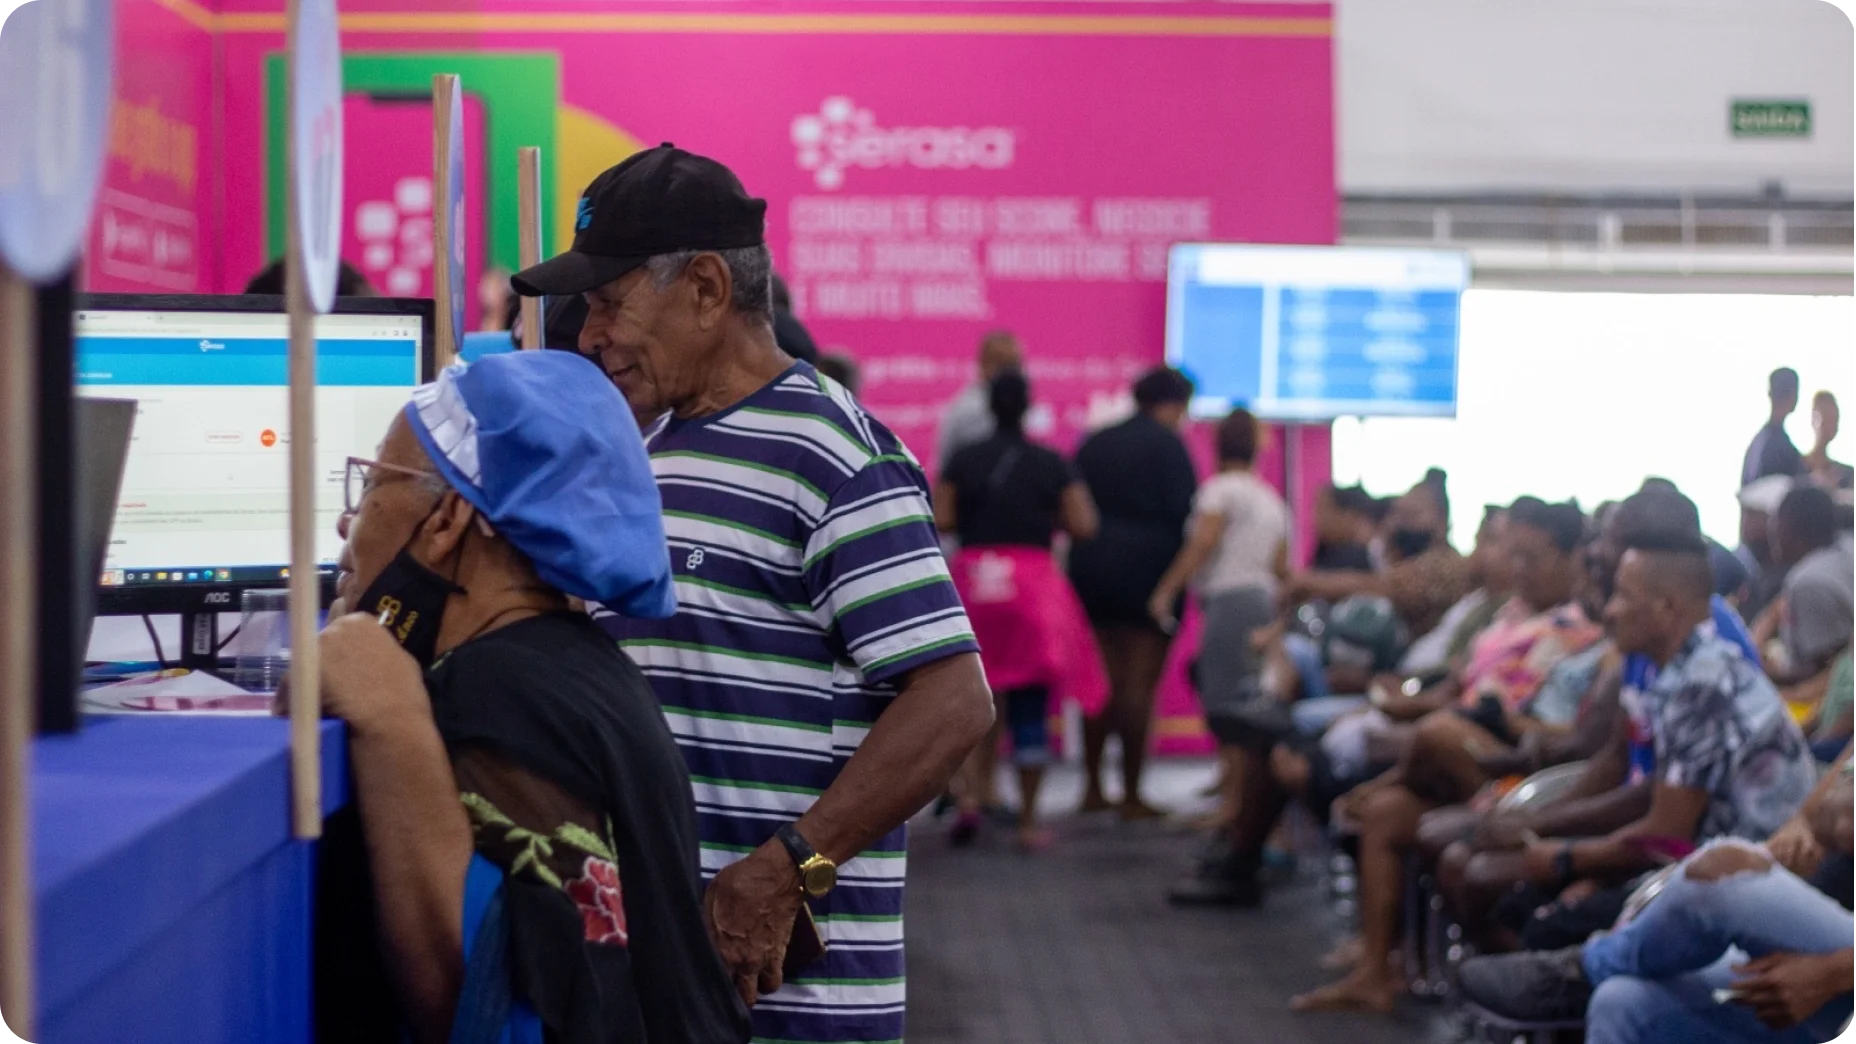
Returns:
point(263, 657)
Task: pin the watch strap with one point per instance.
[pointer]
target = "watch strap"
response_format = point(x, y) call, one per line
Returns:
point(1562, 864)
point(796, 845)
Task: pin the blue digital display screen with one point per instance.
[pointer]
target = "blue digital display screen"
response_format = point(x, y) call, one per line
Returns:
point(1301, 333)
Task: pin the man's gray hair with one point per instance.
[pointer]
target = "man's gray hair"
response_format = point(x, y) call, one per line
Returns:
point(750, 269)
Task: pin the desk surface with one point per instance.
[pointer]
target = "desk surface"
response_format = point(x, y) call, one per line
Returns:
point(135, 821)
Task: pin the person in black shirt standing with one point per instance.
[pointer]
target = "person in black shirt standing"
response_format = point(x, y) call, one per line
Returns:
point(1772, 452)
point(1142, 480)
point(1006, 496)
point(524, 856)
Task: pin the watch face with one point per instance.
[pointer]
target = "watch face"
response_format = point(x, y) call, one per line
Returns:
point(820, 878)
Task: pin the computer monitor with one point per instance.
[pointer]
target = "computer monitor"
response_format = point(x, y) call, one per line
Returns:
point(204, 510)
point(105, 427)
point(1310, 333)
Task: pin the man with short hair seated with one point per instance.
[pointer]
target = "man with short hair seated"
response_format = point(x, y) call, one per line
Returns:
point(1480, 860)
point(1733, 949)
point(525, 861)
point(1724, 760)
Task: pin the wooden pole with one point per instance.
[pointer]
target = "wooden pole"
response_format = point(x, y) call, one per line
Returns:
point(19, 635)
point(528, 217)
point(444, 97)
point(305, 584)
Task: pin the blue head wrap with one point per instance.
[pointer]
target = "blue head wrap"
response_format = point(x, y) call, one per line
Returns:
point(544, 446)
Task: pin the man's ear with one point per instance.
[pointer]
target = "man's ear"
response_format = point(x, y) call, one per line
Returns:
point(712, 286)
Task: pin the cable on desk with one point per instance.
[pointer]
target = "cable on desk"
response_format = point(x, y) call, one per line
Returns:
point(160, 657)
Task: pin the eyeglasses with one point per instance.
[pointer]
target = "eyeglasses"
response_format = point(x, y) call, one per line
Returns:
point(363, 475)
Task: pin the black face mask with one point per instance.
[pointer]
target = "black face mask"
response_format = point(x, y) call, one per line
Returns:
point(409, 600)
point(1410, 543)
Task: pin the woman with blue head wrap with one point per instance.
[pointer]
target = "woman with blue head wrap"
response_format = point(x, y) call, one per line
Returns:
point(523, 810)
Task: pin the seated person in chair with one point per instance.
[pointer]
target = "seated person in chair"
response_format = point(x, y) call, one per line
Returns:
point(1722, 757)
point(1424, 576)
point(1832, 721)
point(1541, 626)
point(524, 862)
point(1814, 608)
point(1346, 519)
point(1457, 836)
point(1329, 678)
point(1741, 944)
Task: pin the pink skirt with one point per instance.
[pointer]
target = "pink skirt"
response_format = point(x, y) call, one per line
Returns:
point(1030, 625)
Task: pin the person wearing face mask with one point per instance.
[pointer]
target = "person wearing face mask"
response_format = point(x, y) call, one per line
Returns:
point(521, 857)
point(1423, 576)
point(821, 677)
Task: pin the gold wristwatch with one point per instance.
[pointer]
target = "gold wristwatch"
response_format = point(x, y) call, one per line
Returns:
point(817, 875)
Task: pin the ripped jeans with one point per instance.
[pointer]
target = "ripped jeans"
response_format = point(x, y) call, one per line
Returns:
point(1654, 978)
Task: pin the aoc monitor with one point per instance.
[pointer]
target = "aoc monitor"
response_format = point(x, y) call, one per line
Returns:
point(1310, 333)
point(203, 511)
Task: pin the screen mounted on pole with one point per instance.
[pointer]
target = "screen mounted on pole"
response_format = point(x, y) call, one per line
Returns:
point(1310, 333)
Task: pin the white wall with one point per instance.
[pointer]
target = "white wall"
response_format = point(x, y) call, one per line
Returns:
point(1587, 95)
point(1584, 394)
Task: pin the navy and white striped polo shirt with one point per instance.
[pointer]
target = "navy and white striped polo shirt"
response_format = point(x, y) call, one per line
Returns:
point(809, 578)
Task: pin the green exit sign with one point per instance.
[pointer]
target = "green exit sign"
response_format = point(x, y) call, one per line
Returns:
point(1770, 119)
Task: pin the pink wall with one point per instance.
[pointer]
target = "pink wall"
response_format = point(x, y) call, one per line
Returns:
point(155, 228)
point(933, 169)
point(1009, 164)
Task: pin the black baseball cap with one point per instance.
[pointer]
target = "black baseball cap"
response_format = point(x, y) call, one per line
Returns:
point(659, 201)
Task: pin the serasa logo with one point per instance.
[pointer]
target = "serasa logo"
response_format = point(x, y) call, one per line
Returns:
point(843, 136)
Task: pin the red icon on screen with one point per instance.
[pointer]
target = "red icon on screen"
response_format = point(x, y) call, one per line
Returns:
point(268, 438)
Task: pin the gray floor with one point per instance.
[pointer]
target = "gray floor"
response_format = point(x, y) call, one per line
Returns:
point(1077, 945)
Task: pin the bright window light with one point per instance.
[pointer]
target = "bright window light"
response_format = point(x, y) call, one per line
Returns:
point(1584, 394)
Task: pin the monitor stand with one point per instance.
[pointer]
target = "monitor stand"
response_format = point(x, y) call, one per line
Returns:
point(199, 641)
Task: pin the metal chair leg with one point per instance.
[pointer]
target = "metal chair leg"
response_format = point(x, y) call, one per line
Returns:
point(1436, 922)
point(1413, 929)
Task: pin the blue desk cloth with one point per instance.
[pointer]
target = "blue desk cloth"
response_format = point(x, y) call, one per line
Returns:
point(172, 903)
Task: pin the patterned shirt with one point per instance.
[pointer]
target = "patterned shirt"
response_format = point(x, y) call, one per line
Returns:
point(1510, 659)
point(1720, 727)
point(1640, 673)
point(809, 580)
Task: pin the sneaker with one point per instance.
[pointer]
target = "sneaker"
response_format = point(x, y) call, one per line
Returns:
point(1538, 986)
point(1229, 881)
point(1242, 891)
point(1255, 724)
point(1216, 850)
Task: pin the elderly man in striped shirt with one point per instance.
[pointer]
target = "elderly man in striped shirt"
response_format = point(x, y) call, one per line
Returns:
point(820, 675)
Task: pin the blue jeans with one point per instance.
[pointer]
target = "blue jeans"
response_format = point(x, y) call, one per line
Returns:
point(1655, 977)
point(1026, 718)
point(1305, 653)
point(1312, 716)
point(1827, 751)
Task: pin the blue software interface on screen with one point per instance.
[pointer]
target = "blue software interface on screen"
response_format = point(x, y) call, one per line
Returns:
point(1312, 333)
point(205, 492)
